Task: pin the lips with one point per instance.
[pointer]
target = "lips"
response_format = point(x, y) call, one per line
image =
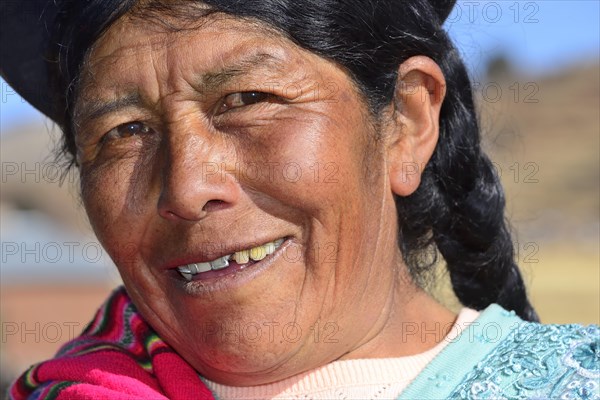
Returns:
point(236, 260)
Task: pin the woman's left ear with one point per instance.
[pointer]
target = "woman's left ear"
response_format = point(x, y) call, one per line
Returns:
point(413, 128)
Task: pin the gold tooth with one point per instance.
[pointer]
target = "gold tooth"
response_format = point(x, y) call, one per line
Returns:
point(258, 253)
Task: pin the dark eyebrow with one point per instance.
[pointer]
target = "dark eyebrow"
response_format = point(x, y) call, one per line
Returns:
point(95, 108)
point(210, 82)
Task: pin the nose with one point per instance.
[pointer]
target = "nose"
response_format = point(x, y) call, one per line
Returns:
point(194, 183)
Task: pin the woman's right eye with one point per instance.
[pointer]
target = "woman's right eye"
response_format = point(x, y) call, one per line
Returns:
point(127, 130)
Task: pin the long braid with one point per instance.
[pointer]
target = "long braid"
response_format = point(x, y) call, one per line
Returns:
point(460, 204)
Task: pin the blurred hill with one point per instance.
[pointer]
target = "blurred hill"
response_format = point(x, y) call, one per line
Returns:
point(43, 223)
point(547, 148)
point(31, 176)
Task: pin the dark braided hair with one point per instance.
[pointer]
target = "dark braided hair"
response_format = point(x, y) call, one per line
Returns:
point(459, 205)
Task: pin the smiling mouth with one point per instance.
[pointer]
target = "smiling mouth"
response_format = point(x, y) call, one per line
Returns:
point(242, 258)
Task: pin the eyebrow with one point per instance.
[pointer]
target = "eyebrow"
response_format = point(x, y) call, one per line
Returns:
point(214, 80)
point(92, 109)
point(95, 108)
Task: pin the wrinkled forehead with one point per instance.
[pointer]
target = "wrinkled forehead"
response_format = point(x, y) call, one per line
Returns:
point(138, 58)
point(134, 35)
point(134, 52)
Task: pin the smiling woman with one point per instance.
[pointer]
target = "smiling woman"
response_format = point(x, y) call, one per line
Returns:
point(273, 180)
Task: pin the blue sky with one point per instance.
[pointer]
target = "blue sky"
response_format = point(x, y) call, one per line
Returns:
point(537, 36)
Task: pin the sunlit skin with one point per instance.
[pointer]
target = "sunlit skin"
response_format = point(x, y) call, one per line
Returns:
point(154, 196)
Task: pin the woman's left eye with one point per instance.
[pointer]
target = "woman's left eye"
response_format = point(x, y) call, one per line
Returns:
point(127, 130)
point(241, 99)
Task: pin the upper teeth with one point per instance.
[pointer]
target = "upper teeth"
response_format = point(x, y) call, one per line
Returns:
point(241, 257)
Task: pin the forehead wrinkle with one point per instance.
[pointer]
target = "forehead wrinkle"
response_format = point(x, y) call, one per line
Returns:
point(259, 59)
point(89, 105)
point(238, 61)
point(241, 59)
point(94, 108)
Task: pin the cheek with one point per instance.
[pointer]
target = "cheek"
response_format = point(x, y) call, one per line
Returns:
point(317, 171)
point(309, 161)
point(115, 198)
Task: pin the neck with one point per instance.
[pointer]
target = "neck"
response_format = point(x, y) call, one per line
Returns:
point(412, 322)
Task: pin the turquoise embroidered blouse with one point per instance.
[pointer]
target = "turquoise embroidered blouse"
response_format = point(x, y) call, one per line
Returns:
point(500, 356)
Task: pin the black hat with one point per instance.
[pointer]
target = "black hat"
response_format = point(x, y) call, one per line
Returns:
point(25, 32)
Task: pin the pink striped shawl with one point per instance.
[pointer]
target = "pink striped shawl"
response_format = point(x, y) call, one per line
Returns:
point(118, 356)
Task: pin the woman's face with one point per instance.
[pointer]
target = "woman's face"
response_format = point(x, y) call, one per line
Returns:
point(199, 144)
